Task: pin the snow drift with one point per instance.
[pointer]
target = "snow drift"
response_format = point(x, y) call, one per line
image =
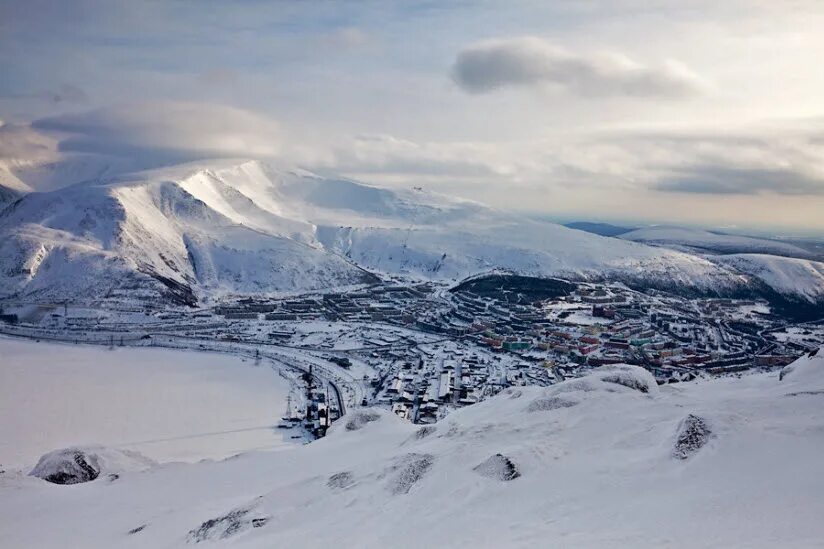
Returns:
point(699, 464)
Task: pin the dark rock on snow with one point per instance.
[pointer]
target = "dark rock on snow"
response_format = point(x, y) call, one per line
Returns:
point(498, 467)
point(693, 434)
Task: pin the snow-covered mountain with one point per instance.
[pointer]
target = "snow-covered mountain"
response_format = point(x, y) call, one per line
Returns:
point(692, 239)
point(146, 236)
point(607, 460)
point(11, 187)
point(245, 227)
point(788, 276)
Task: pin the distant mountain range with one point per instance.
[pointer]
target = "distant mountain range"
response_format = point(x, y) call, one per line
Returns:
point(603, 229)
point(698, 240)
point(209, 229)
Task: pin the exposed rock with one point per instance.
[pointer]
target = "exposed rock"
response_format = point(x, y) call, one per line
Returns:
point(425, 431)
point(693, 434)
point(408, 470)
point(341, 480)
point(226, 526)
point(360, 418)
point(498, 467)
point(68, 466)
point(138, 529)
point(83, 464)
point(632, 377)
point(547, 403)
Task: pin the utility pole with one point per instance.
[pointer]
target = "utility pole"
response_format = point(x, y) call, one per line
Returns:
point(328, 407)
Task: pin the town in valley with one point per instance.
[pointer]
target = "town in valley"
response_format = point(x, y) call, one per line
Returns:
point(422, 349)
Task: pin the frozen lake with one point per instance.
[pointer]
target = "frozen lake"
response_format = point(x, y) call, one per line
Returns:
point(169, 405)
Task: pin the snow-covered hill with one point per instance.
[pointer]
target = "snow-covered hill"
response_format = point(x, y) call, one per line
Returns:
point(706, 241)
point(11, 187)
point(245, 227)
point(608, 460)
point(790, 277)
point(144, 235)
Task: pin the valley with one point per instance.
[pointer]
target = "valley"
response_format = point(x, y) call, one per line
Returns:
point(423, 350)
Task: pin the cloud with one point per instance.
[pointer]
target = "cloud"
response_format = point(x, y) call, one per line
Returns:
point(21, 143)
point(389, 159)
point(346, 37)
point(386, 155)
point(67, 93)
point(533, 62)
point(741, 180)
point(166, 131)
point(779, 160)
point(218, 76)
point(752, 161)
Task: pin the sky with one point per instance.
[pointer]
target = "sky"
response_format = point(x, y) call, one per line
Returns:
point(694, 111)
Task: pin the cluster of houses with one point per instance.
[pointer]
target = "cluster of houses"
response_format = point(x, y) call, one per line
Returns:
point(462, 346)
point(425, 389)
point(401, 305)
point(599, 325)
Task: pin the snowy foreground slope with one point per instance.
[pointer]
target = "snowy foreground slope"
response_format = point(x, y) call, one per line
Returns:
point(609, 460)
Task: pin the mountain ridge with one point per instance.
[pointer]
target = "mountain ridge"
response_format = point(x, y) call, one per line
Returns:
point(207, 229)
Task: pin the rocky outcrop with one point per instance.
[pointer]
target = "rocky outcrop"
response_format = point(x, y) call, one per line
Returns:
point(498, 467)
point(693, 434)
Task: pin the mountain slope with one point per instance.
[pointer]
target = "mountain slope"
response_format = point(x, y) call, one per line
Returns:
point(706, 241)
point(244, 227)
point(790, 277)
point(11, 187)
point(529, 248)
point(608, 460)
point(147, 235)
point(603, 229)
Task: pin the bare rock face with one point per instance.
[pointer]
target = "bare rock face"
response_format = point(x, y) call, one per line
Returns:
point(67, 466)
point(693, 434)
point(408, 470)
point(359, 419)
point(341, 480)
point(425, 431)
point(83, 464)
point(228, 525)
point(498, 467)
point(631, 377)
point(548, 403)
